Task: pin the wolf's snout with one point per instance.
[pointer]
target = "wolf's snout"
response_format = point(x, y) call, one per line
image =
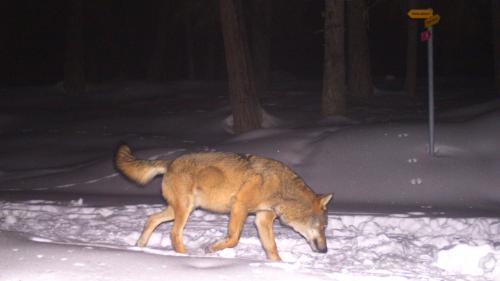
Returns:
point(322, 250)
point(319, 247)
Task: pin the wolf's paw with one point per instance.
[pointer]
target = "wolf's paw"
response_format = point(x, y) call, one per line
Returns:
point(207, 249)
point(274, 257)
point(217, 246)
point(141, 243)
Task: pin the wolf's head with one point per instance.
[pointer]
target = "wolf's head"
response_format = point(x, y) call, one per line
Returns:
point(309, 221)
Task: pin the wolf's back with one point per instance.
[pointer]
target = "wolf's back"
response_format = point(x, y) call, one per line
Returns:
point(139, 171)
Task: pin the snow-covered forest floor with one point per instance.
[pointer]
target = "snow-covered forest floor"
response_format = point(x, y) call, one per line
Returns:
point(397, 214)
point(396, 246)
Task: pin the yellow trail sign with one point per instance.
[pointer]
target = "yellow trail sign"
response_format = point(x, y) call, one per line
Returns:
point(432, 20)
point(420, 13)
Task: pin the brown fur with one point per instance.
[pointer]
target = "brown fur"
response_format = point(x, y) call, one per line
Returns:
point(231, 183)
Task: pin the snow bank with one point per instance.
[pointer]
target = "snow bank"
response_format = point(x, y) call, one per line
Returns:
point(399, 247)
point(469, 259)
point(39, 261)
point(384, 164)
point(268, 121)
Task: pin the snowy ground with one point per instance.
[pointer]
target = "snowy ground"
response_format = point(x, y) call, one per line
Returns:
point(398, 246)
point(398, 214)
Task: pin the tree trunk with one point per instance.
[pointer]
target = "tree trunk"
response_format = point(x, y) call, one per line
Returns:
point(359, 77)
point(411, 53)
point(189, 44)
point(333, 98)
point(7, 69)
point(210, 58)
point(210, 38)
point(495, 18)
point(242, 92)
point(74, 77)
point(157, 70)
point(260, 38)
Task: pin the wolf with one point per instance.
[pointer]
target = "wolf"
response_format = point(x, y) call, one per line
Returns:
point(238, 184)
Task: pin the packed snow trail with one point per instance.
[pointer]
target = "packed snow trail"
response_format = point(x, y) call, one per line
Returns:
point(32, 261)
point(407, 246)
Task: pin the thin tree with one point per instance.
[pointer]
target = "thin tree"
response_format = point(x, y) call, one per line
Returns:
point(333, 100)
point(157, 68)
point(74, 77)
point(411, 53)
point(189, 34)
point(242, 91)
point(211, 37)
point(260, 12)
point(359, 77)
point(202, 35)
point(495, 18)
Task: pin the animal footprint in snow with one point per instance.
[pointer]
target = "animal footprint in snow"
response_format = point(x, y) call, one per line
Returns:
point(416, 181)
point(403, 135)
point(412, 160)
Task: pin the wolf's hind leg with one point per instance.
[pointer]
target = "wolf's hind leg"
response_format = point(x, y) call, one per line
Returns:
point(181, 216)
point(264, 222)
point(152, 222)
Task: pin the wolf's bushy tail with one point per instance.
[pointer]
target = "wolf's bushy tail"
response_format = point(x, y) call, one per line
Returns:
point(139, 171)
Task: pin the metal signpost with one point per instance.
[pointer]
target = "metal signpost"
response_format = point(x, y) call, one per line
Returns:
point(430, 20)
point(430, 71)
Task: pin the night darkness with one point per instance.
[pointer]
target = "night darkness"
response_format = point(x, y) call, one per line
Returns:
point(119, 38)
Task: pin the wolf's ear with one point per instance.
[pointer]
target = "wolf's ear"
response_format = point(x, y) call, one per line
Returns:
point(324, 199)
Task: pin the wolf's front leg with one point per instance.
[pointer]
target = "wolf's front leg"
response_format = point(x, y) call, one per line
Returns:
point(264, 222)
point(236, 220)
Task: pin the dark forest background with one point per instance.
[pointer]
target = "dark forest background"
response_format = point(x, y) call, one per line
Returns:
point(165, 40)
